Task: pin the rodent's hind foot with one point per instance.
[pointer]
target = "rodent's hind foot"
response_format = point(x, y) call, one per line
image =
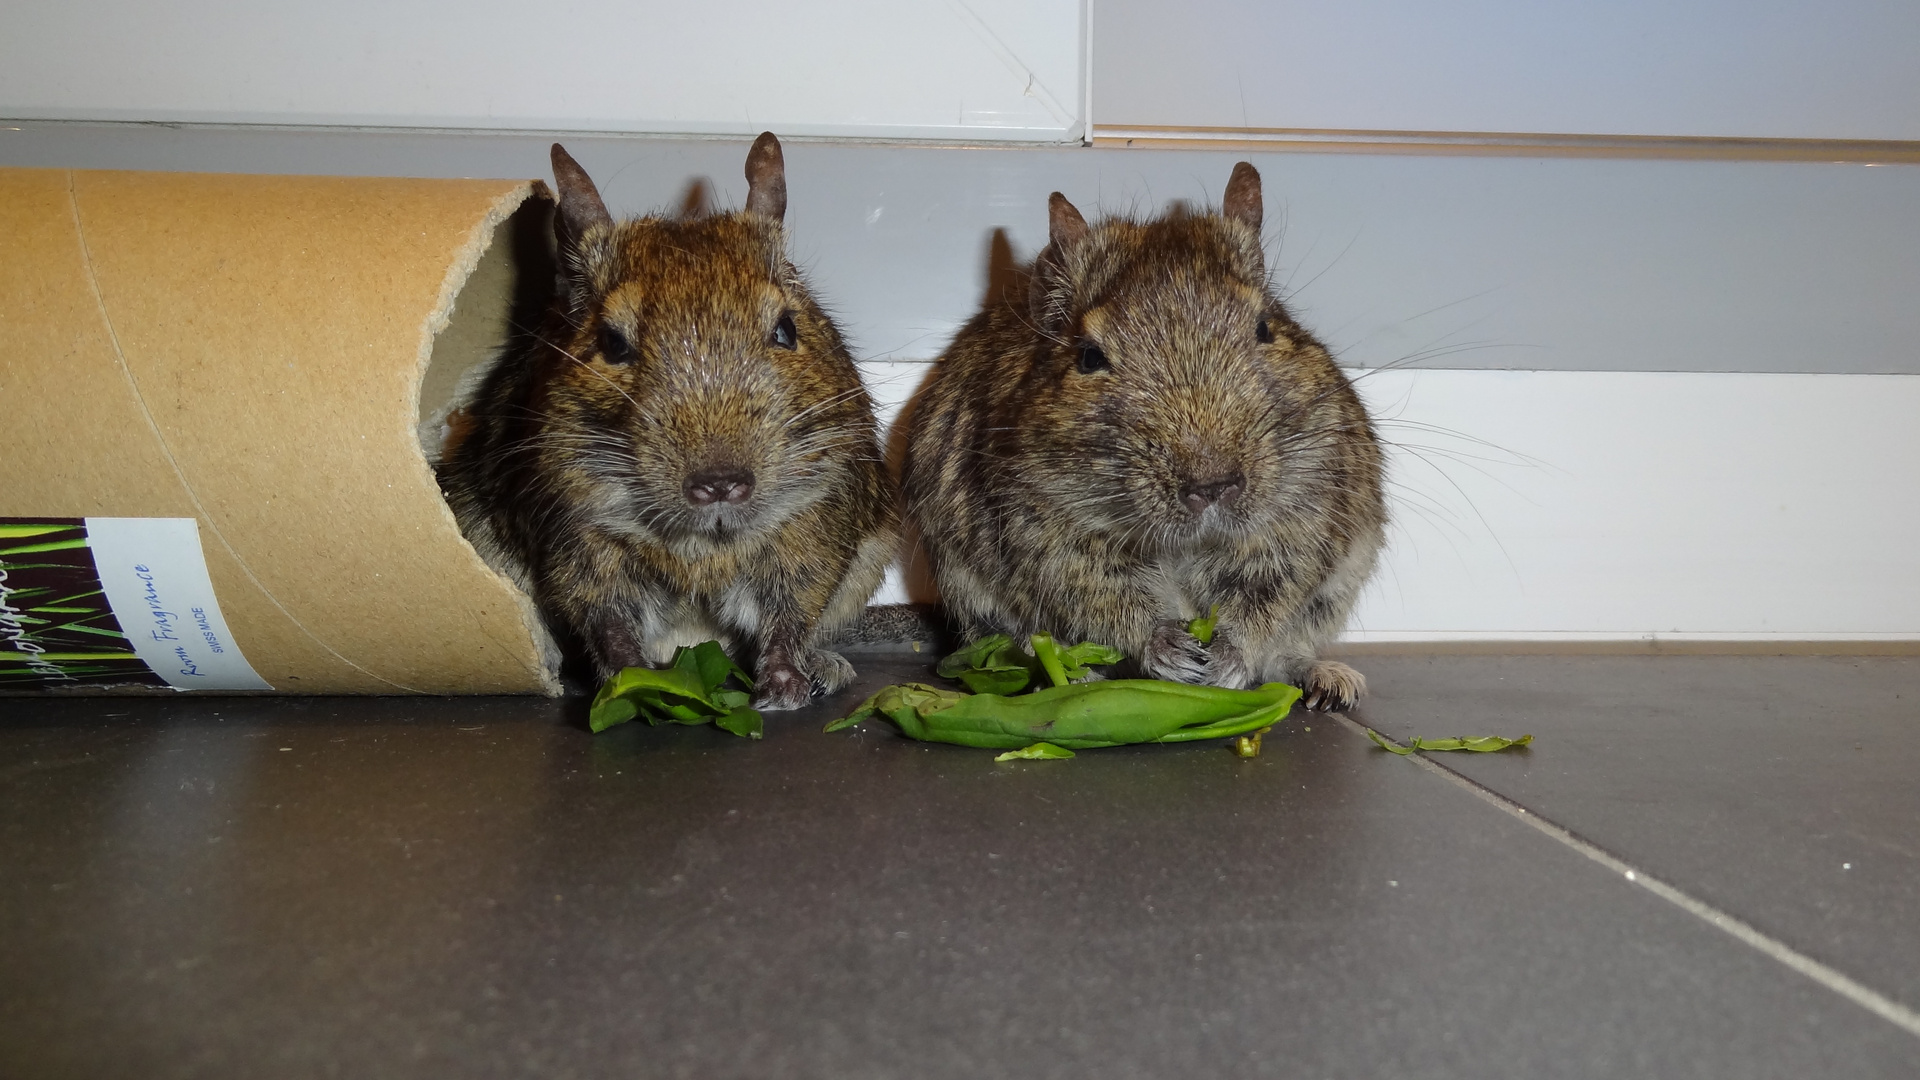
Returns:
point(1331, 686)
point(1174, 654)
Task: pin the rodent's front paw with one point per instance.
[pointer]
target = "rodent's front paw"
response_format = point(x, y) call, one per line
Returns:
point(1332, 686)
point(781, 686)
point(1174, 654)
point(1226, 665)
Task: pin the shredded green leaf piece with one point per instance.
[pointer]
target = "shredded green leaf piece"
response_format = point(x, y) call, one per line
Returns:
point(1202, 629)
point(996, 665)
point(1079, 716)
point(1481, 744)
point(689, 690)
point(1040, 751)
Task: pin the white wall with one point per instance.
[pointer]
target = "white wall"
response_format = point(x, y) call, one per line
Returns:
point(1832, 69)
point(1574, 504)
point(979, 69)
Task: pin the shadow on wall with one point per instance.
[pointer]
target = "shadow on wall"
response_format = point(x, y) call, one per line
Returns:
point(1007, 282)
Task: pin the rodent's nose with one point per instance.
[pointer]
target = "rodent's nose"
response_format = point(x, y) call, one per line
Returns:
point(1197, 495)
point(710, 486)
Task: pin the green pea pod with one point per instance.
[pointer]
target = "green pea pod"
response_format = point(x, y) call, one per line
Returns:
point(1079, 716)
point(1048, 654)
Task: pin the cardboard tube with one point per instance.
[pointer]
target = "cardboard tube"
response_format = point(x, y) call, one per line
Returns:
point(251, 352)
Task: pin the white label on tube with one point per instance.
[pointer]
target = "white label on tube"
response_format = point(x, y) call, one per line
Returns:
point(155, 577)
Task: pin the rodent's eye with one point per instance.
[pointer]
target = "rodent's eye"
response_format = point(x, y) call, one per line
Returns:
point(784, 333)
point(615, 348)
point(1091, 359)
point(1263, 332)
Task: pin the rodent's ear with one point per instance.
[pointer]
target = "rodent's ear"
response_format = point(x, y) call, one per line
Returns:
point(1048, 292)
point(766, 178)
point(1065, 226)
point(1243, 196)
point(580, 205)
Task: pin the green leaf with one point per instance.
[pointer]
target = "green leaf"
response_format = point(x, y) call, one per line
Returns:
point(982, 653)
point(1078, 658)
point(1040, 751)
point(1403, 751)
point(1202, 628)
point(1481, 744)
point(711, 663)
point(745, 723)
point(605, 714)
point(997, 680)
point(688, 691)
point(996, 665)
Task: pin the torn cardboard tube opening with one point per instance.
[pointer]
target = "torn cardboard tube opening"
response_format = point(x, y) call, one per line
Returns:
point(275, 357)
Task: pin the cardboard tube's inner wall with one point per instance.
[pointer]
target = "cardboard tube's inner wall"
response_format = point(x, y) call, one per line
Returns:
point(505, 296)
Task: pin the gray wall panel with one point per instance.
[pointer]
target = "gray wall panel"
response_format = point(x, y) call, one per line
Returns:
point(1464, 262)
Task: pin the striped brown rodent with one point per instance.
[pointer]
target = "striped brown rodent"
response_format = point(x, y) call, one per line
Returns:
point(686, 451)
point(1140, 435)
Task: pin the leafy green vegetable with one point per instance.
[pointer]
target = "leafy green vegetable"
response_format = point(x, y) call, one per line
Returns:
point(1202, 629)
point(1482, 744)
point(989, 666)
point(995, 665)
point(1079, 716)
point(1040, 751)
point(689, 690)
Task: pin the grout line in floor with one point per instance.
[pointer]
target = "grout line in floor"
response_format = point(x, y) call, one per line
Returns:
point(1864, 996)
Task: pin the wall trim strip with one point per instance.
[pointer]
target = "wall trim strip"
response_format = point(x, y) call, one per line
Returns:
point(1507, 144)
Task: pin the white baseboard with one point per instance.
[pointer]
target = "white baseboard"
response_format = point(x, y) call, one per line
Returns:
point(1649, 507)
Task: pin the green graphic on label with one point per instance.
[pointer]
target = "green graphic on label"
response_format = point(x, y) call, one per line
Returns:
point(56, 625)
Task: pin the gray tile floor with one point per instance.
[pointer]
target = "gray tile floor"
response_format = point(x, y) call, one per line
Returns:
point(406, 887)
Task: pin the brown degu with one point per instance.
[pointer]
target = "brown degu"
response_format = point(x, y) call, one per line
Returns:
point(686, 451)
point(1145, 434)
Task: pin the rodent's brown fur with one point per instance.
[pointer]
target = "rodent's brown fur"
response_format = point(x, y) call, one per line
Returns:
point(1049, 498)
point(575, 474)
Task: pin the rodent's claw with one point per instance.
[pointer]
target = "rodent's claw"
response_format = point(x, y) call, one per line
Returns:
point(1332, 686)
point(1174, 654)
